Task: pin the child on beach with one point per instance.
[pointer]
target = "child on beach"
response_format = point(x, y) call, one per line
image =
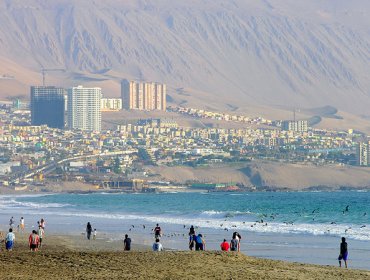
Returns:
point(94, 234)
point(225, 246)
point(34, 241)
point(157, 246)
point(343, 255)
point(9, 240)
point(41, 235)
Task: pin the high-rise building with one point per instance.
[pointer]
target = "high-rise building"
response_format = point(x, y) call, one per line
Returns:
point(47, 106)
point(363, 154)
point(143, 95)
point(84, 108)
point(297, 126)
point(111, 104)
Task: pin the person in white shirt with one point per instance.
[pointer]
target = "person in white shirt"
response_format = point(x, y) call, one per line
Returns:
point(21, 223)
point(157, 246)
point(9, 240)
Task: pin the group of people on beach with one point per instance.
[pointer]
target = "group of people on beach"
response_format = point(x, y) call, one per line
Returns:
point(34, 240)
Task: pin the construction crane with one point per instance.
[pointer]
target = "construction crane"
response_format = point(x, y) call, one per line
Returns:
point(43, 72)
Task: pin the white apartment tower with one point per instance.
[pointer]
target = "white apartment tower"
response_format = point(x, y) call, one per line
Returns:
point(84, 108)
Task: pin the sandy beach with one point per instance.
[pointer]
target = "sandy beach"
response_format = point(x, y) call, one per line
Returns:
point(72, 257)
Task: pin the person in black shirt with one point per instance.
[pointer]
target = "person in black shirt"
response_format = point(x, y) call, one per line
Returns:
point(343, 255)
point(127, 243)
point(88, 230)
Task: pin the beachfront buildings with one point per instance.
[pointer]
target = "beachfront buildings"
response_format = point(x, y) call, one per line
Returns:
point(146, 96)
point(47, 106)
point(84, 108)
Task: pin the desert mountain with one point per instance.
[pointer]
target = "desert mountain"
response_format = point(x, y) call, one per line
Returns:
point(221, 53)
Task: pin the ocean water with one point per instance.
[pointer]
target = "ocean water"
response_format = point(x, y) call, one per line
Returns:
point(268, 220)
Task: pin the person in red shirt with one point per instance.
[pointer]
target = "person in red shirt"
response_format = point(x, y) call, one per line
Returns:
point(34, 241)
point(225, 246)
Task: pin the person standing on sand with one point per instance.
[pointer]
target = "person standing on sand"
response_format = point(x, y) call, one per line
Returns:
point(127, 243)
point(157, 232)
point(21, 223)
point(225, 246)
point(192, 241)
point(157, 246)
point(235, 243)
point(94, 234)
point(9, 240)
point(11, 222)
point(40, 233)
point(192, 230)
point(343, 255)
point(200, 244)
point(88, 230)
point(34, 241)
point(42, 223)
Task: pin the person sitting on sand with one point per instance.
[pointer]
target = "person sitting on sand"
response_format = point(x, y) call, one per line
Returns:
point(157, 246)
point(157, 232)
point(225, 246)
point(9, 240)
point(88, 230)
point(127, 243)
point(34, 241)
point(343, 255)
point(40, 233)
point(200, 244)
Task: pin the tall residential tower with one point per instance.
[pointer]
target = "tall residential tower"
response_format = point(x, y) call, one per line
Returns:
point(47, 106)
point(143, 95)
point(84, 108)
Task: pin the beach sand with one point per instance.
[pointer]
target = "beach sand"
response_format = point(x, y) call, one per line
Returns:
point(72, 257)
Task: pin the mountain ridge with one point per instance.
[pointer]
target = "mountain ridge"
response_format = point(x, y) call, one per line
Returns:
point(243, 53)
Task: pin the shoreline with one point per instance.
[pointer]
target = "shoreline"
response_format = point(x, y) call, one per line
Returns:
point(96, 259)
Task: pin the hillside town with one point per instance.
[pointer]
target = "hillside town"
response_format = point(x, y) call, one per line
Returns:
point(33, 155)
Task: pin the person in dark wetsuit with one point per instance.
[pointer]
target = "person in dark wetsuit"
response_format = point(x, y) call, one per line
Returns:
point(343, 255)
point(88, 230)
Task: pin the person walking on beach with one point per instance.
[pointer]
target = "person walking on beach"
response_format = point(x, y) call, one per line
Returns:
point(42, 223)
point(192, 241)
point(21, 223)
point(225, 246)
point(235, 243)
point(9, 240)
point(88, 230)
point(157, 232)
point(127, 243)
point(192, 230)
point(34, 241)
point(11, 222)
point(200, 244)
point(343, 255)
point(40, 233)
point(157, 246)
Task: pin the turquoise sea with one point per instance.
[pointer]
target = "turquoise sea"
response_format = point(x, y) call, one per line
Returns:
point(266, 220)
